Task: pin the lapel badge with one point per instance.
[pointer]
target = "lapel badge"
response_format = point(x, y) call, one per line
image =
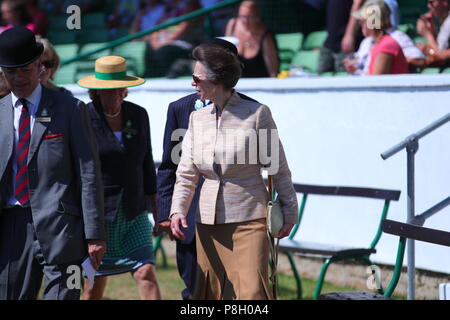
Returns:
point(198, 104)
point(44, 116)
point(44, 113)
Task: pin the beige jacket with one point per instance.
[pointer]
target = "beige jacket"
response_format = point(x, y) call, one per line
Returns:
point(229, 154)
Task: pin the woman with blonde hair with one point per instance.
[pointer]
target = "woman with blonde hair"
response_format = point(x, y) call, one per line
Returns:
point(50, 63)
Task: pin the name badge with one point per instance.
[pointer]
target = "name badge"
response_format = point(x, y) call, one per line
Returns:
point(43, 119)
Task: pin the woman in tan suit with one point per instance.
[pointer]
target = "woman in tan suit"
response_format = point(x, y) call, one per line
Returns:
point(227, 143)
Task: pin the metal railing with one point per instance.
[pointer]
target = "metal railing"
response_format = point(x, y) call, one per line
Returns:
point(164, 25)
point(411, 144)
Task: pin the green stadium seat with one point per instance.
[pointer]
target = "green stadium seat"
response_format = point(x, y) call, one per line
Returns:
point(93, 35)
point(308, 60)
point(341, 74)
point(134, 52)
point(65, 74)
point(315, 40)
point(288, 44)
point(93, 46)
point(57, 23)
point(446, 70)
point(62, 36)
point(86, 65)
point(430, 71)
point(66, 51)
point(95, 20)
point(327, 74)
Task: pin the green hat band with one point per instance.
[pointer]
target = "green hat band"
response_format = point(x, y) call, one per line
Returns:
point(111, 75)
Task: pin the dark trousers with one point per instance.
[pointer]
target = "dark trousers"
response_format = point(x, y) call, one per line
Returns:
point(187, 266)
point(330, 61)
point(22, 264)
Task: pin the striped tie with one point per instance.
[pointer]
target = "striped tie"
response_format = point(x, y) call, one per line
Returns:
point(21, 193)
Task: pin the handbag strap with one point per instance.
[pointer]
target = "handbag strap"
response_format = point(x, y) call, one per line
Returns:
point(270, 186)
point(273, 247)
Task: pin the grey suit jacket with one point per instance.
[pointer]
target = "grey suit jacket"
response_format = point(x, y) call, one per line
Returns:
point(66, 192)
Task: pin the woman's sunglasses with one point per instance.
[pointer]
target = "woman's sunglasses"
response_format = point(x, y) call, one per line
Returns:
point(196, 78)
point(48, 64)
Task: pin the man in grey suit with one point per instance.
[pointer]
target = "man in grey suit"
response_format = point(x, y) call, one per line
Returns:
point(51, 196)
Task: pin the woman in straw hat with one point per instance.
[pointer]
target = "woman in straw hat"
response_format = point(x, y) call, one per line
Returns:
point(123, 136)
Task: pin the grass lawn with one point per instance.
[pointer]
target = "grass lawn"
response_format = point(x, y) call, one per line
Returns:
point(123, 287)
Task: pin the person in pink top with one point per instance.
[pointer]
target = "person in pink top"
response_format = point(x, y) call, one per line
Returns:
point(15, 13)
point(386, 55)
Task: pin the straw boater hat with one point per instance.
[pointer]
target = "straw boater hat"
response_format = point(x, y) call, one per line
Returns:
point(110, 73)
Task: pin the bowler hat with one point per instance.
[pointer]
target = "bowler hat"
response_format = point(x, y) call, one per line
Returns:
point(222, 42)
point(18, 47)
point(110, 73)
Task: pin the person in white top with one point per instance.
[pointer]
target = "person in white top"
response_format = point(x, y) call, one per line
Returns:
point(436, 35)
point(437, 46)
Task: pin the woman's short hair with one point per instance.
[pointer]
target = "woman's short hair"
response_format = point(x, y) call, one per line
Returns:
point(222, 66)
point(51, 52)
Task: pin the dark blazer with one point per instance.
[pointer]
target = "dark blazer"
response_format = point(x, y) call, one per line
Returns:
point(177, 118)
point(128, 171)
point(178, 114)
point(66, 194)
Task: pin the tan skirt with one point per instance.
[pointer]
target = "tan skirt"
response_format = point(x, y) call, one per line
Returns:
point(232, 261)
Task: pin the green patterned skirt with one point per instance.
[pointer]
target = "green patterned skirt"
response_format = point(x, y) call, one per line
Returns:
point(128, 245)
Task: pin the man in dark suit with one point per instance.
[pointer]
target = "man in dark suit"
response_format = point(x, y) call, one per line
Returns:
point(51, 196)
point(178, 118)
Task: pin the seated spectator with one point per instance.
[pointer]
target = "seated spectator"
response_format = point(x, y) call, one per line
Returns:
point(15, 13)
point(359, 62)
point(386, 54)
point(257, 47)
point(123, 15)
point(148, 16)
point(50, 64)
point(437, 46)
point(38, 17)
point(170, 48)
point(437, 38)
